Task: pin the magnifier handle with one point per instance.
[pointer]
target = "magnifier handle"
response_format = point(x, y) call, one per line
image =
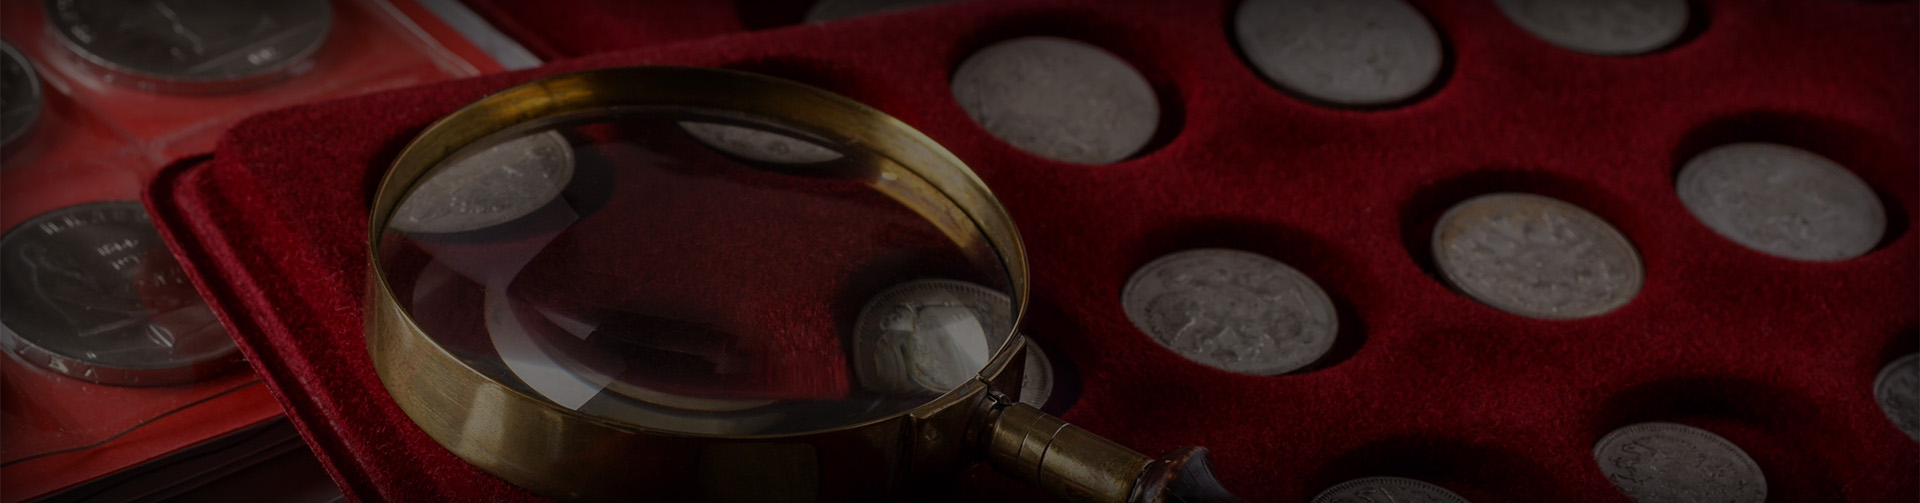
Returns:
point(1081, 467)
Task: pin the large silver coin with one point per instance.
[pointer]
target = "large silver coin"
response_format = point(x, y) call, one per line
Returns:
point(828, 10)
point(929, 336)
point(1607, 27)
point(757, 144)
point(1782, 201)
point(1536, 256)
point(1673, 463)
point(1347, 52)
point(1059, 99)
point(1385, 490)
point(1232, 310)
point(490, 187)
point(92, 293)
point(20, 96)
point(1036, 385)
point(1898, 391)
point(192, 45)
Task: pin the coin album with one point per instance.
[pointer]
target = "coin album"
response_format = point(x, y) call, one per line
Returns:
point(85, 139)
point(1777, 356)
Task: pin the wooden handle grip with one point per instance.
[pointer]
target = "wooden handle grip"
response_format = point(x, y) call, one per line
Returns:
point(1081, 467)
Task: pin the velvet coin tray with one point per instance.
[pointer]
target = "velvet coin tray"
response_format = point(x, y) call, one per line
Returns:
point(1777, 356)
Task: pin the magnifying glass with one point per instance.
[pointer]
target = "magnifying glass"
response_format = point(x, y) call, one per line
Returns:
point(708, 285)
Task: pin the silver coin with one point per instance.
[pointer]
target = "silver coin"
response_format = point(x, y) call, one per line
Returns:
point(828, 10)
point(1060, 99)
point(20, 96)
point(1673, 463)
point(1536, 256)
point(1782, 201)
point(1036, 386)
point(489, 187)
point(1606, 27)
point(929, 336)
point(92, 293)
point(1232, 310)
point(192, 45)
point(758, 145)
point(1898, 390)
point(1347, 52)
point(1387, 490)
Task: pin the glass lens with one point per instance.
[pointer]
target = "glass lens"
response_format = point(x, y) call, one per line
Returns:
point(698, 272)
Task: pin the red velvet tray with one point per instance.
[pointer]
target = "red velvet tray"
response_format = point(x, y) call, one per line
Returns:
point(1777, 356)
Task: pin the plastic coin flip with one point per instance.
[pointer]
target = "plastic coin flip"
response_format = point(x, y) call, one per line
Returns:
point(579, 289)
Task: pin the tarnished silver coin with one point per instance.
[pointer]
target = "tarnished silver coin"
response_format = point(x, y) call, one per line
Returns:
point(929, 336)
point(1233, 310)
point(1782, 201)
point(757, 144)
point(1385, 490)
point(1898, 391)
point(192, 45)
point(1674, 463)
point(20, 96)
point(92, 293)
point(1060, 99)
point(489, 187)
point(1606, 27)
point(828, 10)
point(1036, 385)
point(1346, 52)
point(1536, 256)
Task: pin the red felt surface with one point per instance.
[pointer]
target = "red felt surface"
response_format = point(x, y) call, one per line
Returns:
point(1775, 355)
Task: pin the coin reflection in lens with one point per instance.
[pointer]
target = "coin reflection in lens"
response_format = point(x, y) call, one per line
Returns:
point(757, 145)
point(929, 336)
point(705, 294)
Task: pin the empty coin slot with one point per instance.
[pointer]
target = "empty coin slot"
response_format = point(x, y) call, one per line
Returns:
point(1098, 30)
point(1772, 425)
point(1865, 154)
point(1329, 269)
point(1314, 77)
point(1474, 470)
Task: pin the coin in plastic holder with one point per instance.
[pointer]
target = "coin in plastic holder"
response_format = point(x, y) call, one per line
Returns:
point(192, 46)
point(20, 95)
point(689, 302)
point(92, 293)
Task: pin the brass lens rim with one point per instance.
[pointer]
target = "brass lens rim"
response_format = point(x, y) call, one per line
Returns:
point(784, 103)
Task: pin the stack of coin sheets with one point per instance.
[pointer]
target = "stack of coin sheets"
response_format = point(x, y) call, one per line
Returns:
point(1507, 260)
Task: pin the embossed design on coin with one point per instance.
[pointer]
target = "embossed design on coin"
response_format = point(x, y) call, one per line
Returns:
point(192, 45)
point(1536, 256)
point(1037, 384)
point(758, 145)
point(20, 96)
point(828, 10)
point(1060, 99)
point(92, 293)
point(1673, 463)
point(1233, 310)
point(1898, 390)
point(929, 336)
point(1387, 490)
point(1782, 201)
point(1606, 27)
point(490, 187)
point(1347, 52)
